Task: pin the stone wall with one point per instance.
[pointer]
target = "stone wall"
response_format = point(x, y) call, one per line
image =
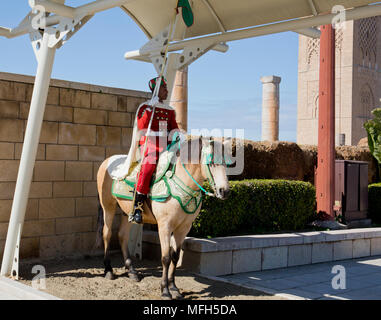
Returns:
point(269, 251)
point(83, 125)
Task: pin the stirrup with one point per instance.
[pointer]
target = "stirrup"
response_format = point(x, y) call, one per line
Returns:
point(138, 210)
point(131, 217)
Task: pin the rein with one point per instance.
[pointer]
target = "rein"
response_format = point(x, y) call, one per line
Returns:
point(209, 174)
point(198, 185)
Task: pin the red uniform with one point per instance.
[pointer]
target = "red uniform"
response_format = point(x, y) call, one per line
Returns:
point(163, 122)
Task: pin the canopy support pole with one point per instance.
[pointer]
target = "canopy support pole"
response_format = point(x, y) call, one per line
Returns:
point(28, 155)
point(45, 42)
point(325, 178)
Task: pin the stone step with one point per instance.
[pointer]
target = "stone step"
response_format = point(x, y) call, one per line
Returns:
point(229, 255)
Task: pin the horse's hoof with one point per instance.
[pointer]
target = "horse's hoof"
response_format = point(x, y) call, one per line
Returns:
point(166, 296)
point(134, 276)
point(176, 294)
point(109, 275)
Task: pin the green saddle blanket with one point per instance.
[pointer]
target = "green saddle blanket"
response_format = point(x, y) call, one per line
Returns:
point(164, 184)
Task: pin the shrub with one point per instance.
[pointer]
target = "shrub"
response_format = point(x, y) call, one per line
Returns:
point(374, 202)
point(256, 206)
point(373, 129)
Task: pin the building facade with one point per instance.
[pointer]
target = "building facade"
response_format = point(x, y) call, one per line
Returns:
point(358, 81)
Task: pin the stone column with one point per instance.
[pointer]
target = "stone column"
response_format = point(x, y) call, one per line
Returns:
point(179, 99)
point(270, 108)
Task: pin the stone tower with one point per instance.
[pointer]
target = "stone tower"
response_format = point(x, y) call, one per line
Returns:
point(358, 81)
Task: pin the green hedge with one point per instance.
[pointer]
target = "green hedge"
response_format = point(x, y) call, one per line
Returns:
point(256, 206)
point(374, 202)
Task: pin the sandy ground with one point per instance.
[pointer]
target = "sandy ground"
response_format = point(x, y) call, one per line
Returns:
point(83, 279)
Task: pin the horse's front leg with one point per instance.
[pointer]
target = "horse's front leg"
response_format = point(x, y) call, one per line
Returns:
point(176, 244)
point(165, 238)
point(175, 255)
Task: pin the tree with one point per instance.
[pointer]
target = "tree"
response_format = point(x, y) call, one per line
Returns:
point(373, 128)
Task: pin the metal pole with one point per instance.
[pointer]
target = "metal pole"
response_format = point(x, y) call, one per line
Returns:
point(4, 32)
point(32, 136)
point(57, 8)
point(325, 179)
point(221, 47)
point(87, 9)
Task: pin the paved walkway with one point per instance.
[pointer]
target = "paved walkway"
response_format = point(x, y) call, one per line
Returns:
point(361, 279)
point(7, 296)
point(13, 290)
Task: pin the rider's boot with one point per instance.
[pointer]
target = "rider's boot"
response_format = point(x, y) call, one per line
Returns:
point(137, 215)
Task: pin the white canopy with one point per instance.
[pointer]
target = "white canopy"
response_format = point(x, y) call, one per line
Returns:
point(210, 16)
point(152, 16)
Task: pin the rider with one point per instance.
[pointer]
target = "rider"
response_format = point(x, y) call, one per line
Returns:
point(163, 123)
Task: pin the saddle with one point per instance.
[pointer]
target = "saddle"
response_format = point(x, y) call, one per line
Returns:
point(164, 184)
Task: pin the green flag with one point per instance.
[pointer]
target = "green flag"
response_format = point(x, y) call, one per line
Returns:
point(187, 12)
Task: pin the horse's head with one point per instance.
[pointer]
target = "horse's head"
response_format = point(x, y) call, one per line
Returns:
point(215, 156)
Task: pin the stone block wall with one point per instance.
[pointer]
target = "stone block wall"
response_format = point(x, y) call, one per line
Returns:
point(83, 125)
point(252, 253)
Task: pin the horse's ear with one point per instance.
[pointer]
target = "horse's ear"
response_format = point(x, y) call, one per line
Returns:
point(227, 141)
point(205, 141)
point(211, 141)
point(200, 142)
point(228, 147)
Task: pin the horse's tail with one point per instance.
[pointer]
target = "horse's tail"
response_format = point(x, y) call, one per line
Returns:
point(100, 225)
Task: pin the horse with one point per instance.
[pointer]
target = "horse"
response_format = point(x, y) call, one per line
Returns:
point(173, 223)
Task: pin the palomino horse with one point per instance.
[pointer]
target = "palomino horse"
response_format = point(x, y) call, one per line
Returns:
point(173, 223)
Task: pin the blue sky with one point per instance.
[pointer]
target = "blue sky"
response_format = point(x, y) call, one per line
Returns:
point(224, 88)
